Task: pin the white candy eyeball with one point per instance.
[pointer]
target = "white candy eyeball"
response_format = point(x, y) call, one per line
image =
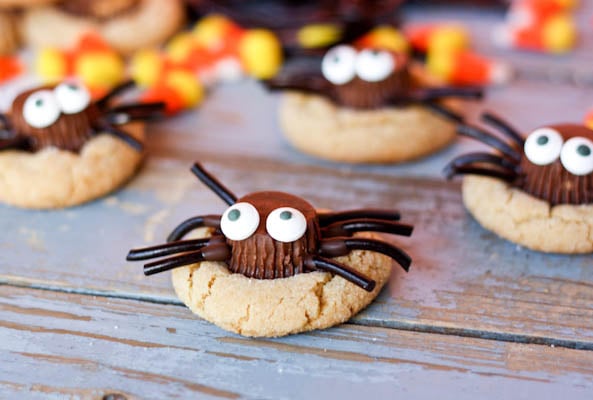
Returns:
point(374, 65)
point(577, 156)
point(543, 146)
point(286, 224)
point(338, 64)
point(41, 109)
point(239, 221)
point(72, 97)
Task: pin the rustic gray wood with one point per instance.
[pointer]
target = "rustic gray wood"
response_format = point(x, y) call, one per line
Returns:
point(465, 285)
point(60, 345)
point(463, 278)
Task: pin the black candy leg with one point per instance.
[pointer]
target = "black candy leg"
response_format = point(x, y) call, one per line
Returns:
point(342, 246)
point(349, 227)
point(192, 223)
point(330, 218)
point(351, 275)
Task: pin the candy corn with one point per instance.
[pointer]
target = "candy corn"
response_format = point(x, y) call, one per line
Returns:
point(450, 58)
point(539, 25)
point(91, 60)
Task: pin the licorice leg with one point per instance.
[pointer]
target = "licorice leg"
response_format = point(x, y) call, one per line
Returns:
point(351, 275)
point(504, 127)
point(483, 158)
point(120, 134)
point(488, 139)
point(218, 188)
point(342, 246)
point(298, 82)
point(349, 227)
point(330, 218)
point(443, 111)
point(135, 112)
point(437, 93)
point(166, 249)
point(507, 176)
point(17, 143)
point(212, 221)
point(102, 102)
point(219, 252)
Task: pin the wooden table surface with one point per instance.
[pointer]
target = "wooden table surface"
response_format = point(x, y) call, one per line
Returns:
point(476, 316)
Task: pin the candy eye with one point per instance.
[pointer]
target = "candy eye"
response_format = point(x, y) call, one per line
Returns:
point(374, 65)
point(577, 156)
point(286, 224)
point(41, 109)
point(239, 221)
point(338, 65)
point(543, 146)
point(73, 98)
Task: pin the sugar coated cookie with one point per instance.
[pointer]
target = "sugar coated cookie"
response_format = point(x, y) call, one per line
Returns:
point(278, 307)
point(536, 192)
point(319, 127)
point(60, 148)
point(53, 178)
point(274, 265)
point(365, 105)
point(521, 218)
point(127, 25)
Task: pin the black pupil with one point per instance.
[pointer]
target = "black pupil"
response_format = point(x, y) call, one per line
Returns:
point(336, 59)
point(285, 215)
point(542, 140)
point(71, 86)
point(38, 103)
point(234, 215)
point(375, 52)
point(584, 150)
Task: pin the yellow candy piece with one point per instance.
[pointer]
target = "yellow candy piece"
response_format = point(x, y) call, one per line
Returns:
point(260, 52)
point(209, 31)
point(146, 66)
point(99, 69)
point(568, 4)
point(559, 34)
point(387, 37)
point(50, 65)
point(440, 64)
point(448, 38)
point(318, 35)
point(180, 46)
point(187, 85)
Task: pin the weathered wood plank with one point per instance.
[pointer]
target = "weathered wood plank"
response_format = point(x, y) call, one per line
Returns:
point(463, 279)
point(60, 345)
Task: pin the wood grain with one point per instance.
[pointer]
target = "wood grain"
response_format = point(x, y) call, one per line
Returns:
point(464, 283)
point(463, 279)
point(67, 345)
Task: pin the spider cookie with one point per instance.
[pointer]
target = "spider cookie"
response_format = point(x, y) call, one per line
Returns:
point(273, 265)
point(127, 25)
point(536, 192)
point(58, 148)
point(364, 106)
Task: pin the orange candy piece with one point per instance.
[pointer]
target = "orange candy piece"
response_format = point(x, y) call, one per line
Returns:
point(10, 67)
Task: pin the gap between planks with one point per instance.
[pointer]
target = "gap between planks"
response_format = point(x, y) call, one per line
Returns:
point(361, 321)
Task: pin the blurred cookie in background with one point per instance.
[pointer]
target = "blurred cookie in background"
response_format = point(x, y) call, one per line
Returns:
point(126, 25)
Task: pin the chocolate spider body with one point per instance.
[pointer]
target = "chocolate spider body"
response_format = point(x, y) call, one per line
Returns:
point(554, 163)
point(271, 235)
point(64, 117)
point(368, 79)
